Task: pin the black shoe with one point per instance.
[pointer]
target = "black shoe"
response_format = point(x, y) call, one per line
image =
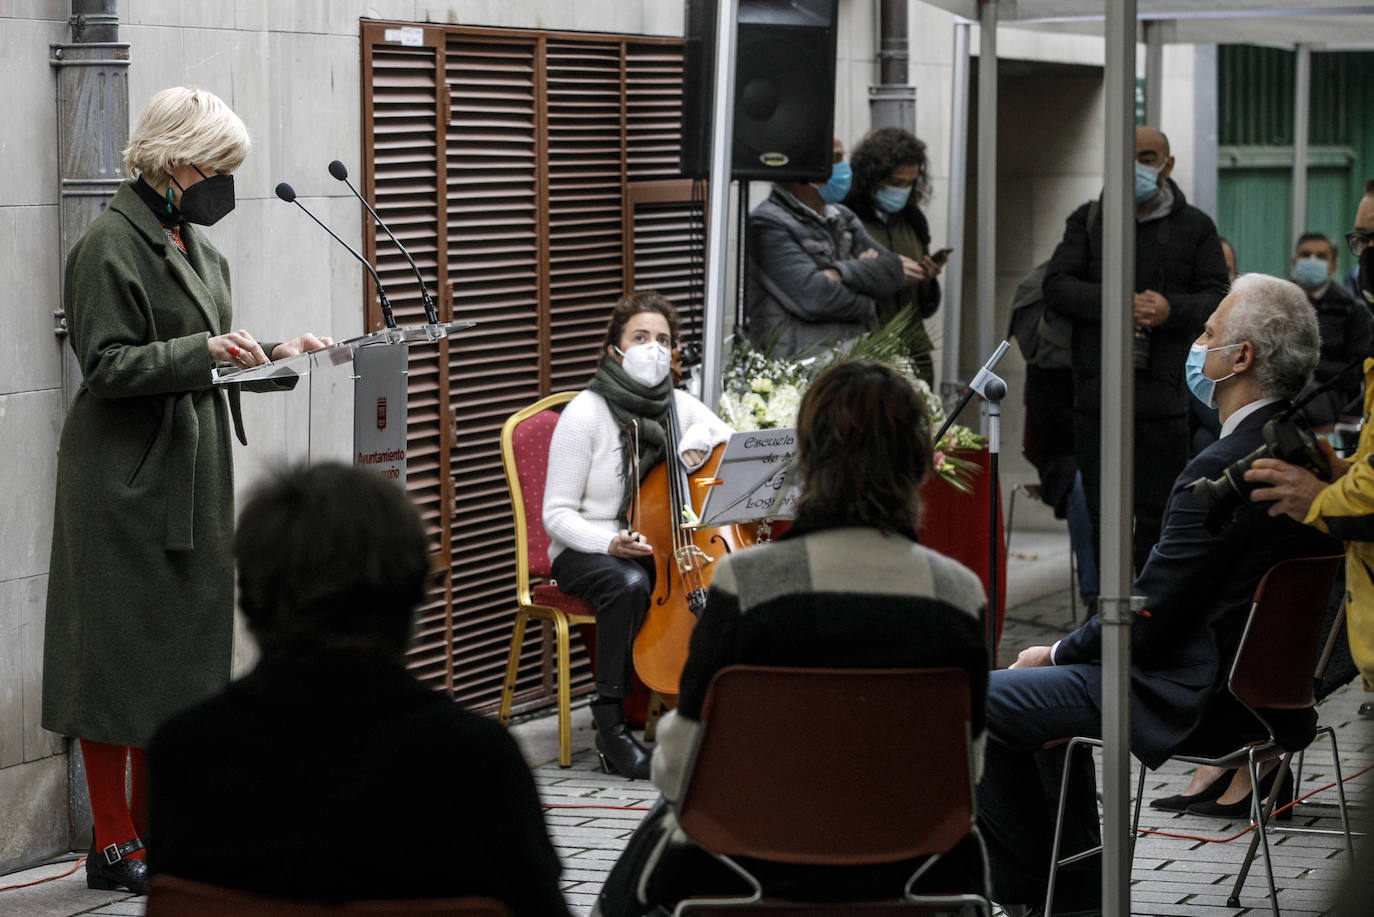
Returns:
point(1241, 809)
point(111, 868)
point(1180, 803)
point(619, 751)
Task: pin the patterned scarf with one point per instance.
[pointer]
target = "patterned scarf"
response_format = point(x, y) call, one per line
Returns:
point(630, 401)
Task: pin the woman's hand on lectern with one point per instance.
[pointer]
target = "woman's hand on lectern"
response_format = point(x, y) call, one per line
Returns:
point(236, 347)
point(298, 345)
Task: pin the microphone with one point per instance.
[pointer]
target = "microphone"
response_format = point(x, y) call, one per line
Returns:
point(288, 194)
point(340, 171)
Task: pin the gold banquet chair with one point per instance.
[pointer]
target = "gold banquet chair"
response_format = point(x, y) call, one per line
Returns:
point(525, 457)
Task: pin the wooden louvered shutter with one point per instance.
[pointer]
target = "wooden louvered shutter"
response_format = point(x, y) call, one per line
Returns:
point(537, 172)
point(495, 248)
point(402, 92)
point(586, 153)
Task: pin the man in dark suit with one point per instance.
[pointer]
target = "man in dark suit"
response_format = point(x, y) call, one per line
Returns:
point(1255, 353)
point(330, 773)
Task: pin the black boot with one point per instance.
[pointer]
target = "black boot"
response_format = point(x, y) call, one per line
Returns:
point(121, 872)
point(620, 753)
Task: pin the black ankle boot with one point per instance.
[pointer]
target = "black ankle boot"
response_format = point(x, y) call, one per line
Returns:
point(619, 751)
point(122, 872)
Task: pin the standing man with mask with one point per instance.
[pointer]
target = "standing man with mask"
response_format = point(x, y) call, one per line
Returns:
point(1180, 277)
point(1345, 330)
point(814, 273)
point(1345, 507)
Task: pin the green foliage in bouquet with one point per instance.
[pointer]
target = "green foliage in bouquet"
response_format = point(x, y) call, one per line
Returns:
point(759, 392)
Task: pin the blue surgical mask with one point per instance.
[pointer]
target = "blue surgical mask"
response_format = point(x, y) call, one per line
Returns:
point(1310, 273)
point(833, 191)
point(1146, 183)
point(890, 199)
point(1203, 389)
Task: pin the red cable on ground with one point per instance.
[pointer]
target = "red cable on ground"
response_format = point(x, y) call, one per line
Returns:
point(1227, 840)
point(63, 875)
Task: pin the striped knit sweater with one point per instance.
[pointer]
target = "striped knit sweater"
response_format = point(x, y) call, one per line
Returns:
point(838, 598)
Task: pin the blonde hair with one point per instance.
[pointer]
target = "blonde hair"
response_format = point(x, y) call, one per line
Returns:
point(182, 126)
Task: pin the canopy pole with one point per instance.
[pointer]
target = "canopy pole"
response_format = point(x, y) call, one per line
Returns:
point(718, 202)
point(987, 187)
point(1302, 81)
point(958, 183)
point(1118, 434)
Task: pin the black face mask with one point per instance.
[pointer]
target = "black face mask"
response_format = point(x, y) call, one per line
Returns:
point(206, 202)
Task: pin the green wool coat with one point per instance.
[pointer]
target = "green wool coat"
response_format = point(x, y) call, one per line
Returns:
point(141, 584)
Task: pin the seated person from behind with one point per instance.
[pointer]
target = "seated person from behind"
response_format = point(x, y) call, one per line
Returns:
point(847, 586)
point(329, 772)
point(814, 273)
point(1255, 353)
point(1344, 325)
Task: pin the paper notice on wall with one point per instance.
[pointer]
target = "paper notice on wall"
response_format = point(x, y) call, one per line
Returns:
point(410, 36)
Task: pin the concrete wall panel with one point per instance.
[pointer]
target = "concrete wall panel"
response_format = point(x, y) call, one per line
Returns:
point(31, 422)
point(29, 102)
point(30, 354)
point(33, 811)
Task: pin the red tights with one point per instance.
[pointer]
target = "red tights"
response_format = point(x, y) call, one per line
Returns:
point(118, 816)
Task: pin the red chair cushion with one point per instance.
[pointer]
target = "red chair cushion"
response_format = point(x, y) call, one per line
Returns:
point(557, 598)
point(530, 445)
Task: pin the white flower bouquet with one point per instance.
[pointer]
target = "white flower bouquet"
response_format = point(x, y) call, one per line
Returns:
point(762, 393)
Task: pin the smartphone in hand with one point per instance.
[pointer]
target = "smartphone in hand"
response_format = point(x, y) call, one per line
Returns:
point(941, 256)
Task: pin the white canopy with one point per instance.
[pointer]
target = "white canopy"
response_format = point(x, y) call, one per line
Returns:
point(1302, 24)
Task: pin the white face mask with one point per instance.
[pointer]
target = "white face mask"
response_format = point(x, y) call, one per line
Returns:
point(646, 363)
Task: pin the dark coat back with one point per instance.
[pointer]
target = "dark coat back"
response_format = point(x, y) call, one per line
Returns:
point(1197, 588)
point(1179, 256)
point(141, 589)
point(1344, 325)
point(339, 779)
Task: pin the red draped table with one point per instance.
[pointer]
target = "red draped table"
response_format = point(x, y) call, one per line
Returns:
point(956, 524)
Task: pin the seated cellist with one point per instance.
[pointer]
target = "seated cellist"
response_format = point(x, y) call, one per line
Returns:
point(591, 482)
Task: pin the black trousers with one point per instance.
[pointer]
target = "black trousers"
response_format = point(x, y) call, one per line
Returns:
point(1161, 451)
point(620, 589)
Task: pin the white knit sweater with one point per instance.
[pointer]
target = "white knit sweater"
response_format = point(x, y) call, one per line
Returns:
point(584, 488)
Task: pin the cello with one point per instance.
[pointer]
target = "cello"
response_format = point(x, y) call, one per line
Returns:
point(683, 558)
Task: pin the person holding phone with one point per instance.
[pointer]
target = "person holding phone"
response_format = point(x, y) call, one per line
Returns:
point(890, 182)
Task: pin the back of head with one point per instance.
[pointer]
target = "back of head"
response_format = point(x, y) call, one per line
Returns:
point(331, 560)
point(863, 448)
point(181, 126)
point(1276, 318)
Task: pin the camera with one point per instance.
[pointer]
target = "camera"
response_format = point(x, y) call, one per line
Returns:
point(1287, 438)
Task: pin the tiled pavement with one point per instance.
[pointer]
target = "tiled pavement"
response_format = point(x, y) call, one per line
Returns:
point(590, 816)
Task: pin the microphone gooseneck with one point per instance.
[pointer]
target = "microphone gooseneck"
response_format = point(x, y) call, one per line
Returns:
point(288, 194)
point(340, 171)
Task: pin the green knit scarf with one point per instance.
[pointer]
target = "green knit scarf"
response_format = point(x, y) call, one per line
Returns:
point(630, 401)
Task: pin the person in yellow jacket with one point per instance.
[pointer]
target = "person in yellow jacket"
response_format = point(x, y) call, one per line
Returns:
point(1345, 507)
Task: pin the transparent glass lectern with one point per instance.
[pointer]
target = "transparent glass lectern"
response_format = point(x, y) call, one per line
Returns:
point(350, 397)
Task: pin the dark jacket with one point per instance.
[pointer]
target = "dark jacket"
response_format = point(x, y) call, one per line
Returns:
point(141, 590)
point(906, 233)
point(1177, 255)
point(1345, 330)
point(1197, 588)
point(791, 306)
point(340, 779)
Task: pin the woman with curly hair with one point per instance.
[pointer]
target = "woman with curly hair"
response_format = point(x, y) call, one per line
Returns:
point(890, 181)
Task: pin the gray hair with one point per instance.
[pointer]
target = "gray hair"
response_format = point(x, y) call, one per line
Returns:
point(1278, 321)
point(181, 126)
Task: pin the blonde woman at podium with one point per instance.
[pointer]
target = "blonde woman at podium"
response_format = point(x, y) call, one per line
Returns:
point(141, 590)
point(589, 488)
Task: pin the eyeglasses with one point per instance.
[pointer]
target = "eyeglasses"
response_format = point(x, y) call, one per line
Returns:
point(1358, 241)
